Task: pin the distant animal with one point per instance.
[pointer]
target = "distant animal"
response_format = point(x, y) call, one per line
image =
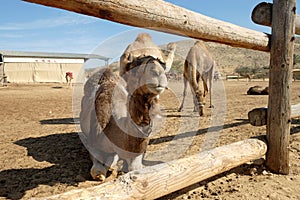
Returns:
point(247, 76)
point(217, 75)
point(69, 77)
point(258, 90)
point(116, 114)
point(198, 66)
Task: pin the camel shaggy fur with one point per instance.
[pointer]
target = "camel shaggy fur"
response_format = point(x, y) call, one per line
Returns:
point(116, 114)
point(198, 66)
point(142, 47)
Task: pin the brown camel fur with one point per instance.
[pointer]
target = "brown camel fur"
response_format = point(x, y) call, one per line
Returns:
point(143, 46)
point(198, 66)
point(116, 114)
point(258, 90)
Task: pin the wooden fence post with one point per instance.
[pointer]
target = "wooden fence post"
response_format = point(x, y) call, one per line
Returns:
point(281, 62)
point(262, 14)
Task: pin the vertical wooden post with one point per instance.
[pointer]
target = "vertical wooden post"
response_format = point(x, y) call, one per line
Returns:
point(281, 62)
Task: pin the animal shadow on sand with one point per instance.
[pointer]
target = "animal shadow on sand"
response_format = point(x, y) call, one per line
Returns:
point(57, 87)
point(296, 126)
point(199, 132)
point(293, 130)
point(60, 121)
point(69, 158)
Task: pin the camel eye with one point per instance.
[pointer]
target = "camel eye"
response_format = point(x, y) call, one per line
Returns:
point(155, 72)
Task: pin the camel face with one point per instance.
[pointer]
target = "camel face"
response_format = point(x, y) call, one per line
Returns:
point(147, 76)
point(154, 77)
point(142, 47)
point(145, 60)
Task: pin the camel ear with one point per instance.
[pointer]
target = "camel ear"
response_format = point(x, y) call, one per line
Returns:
point(171, 47)
point(130, 58)
point(125, 61)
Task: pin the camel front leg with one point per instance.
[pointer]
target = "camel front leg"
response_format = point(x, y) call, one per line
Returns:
point(205, 88)
point(99, 169)
point(135, 163)
point(184, 93)
point(208, 90)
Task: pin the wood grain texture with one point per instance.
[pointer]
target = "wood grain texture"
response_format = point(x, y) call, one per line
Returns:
point(280, 79)
point(166, 17)
point(158, 180)
point(262, 14)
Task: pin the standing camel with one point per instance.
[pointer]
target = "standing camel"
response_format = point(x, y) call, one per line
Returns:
point(198, 66)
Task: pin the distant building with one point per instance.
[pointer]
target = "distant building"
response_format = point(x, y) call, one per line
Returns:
point(31, 67)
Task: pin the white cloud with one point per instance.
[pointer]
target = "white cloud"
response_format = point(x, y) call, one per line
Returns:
point(60, 44)
point(10, 35)
point(65, 20)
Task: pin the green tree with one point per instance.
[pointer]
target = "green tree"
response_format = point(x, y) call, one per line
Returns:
point(177, 66)
point(296, 59)
point(244, 70)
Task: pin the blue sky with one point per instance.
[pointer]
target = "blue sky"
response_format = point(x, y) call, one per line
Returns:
point(30, 27)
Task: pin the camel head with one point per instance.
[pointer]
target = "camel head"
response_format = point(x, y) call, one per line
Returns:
point(143, 46)
point(146, 76)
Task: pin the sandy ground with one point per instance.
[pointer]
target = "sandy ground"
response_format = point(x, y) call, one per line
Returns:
point(42, 155)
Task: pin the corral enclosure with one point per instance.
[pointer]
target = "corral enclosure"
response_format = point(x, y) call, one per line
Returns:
point(277, 156)
point(42, 155)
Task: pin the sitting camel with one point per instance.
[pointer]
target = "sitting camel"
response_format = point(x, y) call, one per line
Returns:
point(258, 90)
point(198, 65)
point(116, 114)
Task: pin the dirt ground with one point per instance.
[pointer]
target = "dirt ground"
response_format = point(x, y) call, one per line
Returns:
point(42, 155)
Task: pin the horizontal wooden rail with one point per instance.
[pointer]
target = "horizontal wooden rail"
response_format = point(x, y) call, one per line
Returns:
point(166, 17)
point(158, 180)
point(258, 116)
point(262, 14)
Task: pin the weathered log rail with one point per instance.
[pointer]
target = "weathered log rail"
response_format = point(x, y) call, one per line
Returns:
point(158, 180)
point(163, 16)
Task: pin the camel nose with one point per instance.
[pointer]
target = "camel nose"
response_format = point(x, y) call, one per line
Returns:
point(159, 88)
point(163, 82)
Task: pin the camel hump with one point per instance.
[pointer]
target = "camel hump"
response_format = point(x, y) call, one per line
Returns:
point(104, 96)
point(142, 37)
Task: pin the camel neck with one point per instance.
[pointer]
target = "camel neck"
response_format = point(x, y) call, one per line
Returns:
point(139, 109)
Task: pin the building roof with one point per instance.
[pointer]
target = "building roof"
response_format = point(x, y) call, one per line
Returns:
point(8, 53)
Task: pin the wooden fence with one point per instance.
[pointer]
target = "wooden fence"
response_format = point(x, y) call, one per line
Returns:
point(166, 17)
